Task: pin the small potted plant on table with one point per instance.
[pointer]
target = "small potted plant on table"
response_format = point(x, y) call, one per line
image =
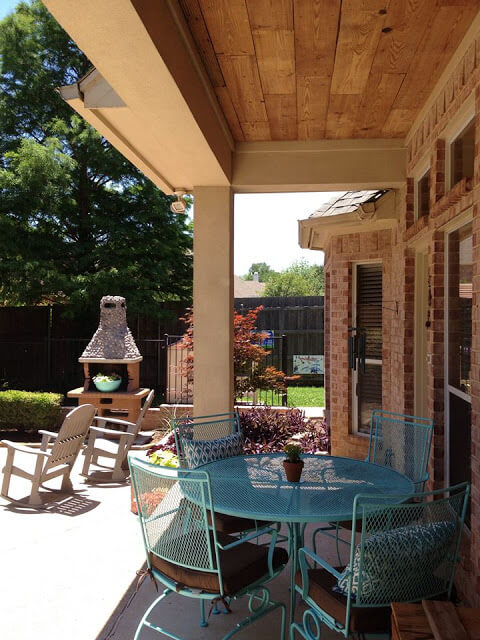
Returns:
point(293, 464)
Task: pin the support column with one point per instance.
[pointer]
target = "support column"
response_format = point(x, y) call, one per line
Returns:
point(213, 300)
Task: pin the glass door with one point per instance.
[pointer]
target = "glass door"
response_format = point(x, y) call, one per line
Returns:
point(459, 271)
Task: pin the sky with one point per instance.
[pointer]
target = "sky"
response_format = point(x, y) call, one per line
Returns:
point(6, 6)
point(266, 228)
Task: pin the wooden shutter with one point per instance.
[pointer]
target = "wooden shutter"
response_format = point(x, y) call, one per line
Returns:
point(369, 307)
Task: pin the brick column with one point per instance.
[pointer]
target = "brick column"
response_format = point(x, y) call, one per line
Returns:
point(437, 172)
point(435, 350)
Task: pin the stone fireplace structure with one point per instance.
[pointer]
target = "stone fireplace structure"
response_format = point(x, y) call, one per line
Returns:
point(112, 349)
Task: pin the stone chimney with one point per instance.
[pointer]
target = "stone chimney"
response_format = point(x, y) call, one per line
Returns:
point(112, 341)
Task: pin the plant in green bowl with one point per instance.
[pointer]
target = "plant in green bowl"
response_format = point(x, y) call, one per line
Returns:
point(104, 377)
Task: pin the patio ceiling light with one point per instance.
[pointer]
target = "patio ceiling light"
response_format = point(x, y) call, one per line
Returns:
point(179, 206)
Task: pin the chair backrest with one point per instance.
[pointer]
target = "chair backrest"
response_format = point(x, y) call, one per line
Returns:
point(174, 506)
point(401, 442)
point(407, 551)
point(70, 438)
point(146, 406)
point(209, 427)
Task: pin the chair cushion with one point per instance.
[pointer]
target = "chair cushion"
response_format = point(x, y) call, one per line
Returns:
point(198, 452)
point(241, 566)
point(414, 553)
point(233, 524)
point(362, 619)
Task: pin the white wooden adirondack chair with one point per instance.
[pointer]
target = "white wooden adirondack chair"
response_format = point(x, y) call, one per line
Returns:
point(56, 462)
point(116, 445)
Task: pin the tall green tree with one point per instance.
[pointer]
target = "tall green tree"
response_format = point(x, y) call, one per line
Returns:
point(299, 279)
point(77, 220)
point(262, 268)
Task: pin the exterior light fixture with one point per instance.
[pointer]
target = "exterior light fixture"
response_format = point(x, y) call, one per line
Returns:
point(179, 206)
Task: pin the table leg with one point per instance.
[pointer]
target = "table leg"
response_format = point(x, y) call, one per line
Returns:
point(295, 537)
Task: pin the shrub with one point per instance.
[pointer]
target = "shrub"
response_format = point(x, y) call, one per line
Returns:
point(29, 410)
point(266, 430)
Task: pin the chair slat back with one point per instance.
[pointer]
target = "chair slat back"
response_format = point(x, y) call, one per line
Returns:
point(407, 551)
point(70, 438)
point(402, 443)
point(204, 428)
point(173, 506)
point(141, 416)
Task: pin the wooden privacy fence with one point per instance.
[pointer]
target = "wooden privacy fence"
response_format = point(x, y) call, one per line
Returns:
point(40, 346)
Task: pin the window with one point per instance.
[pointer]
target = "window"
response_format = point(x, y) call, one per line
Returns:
point(462, 154)
point(367, 314)
point(423, 196)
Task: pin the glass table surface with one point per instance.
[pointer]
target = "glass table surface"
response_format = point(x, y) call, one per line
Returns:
point(255, 486)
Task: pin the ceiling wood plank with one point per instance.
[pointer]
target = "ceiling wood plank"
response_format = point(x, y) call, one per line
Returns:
point(196, 23)
point(256, 131)
point(316, 26)
point(230, 113)
point(276, 60)
point(447, 26)
point(398, 123)
point(361, 25)
point(312, 104)
point(380, 94)
point(243, 83)
point(282, 115)
point(408, 21)
point(270, 14)
point(228, 26)
point(342, 116)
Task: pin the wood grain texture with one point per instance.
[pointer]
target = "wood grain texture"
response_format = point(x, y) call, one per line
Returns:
point(282, 115)
point(444, 620)
point(270, 14)
point(229, 112)
point(316, 26)
point(312, 105)
point(276, 60)
point(194, 17)
point(330, 68)
point(243, 83)
point(228, 26)
point(361, 25)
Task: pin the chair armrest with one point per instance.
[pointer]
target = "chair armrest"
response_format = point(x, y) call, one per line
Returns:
point(118, 421)
point(112, 432)
point(305, 553)
point(251, 536)
point(50, 434)
point(19, 447)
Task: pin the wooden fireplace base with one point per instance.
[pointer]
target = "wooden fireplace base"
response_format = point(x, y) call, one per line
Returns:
point(117, 404)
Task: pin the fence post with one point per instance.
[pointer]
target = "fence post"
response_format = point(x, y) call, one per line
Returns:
point(284, 366)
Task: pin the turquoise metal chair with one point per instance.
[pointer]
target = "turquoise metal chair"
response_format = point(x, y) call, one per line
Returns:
point(407, 552)
point(192, 559)
point(209, 427)
point(400, 442)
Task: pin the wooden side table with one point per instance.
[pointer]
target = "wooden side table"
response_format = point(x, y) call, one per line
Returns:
point(434, 620)
point(110, 404)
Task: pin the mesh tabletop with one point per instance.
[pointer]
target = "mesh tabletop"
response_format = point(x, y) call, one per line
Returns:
point(256, 487)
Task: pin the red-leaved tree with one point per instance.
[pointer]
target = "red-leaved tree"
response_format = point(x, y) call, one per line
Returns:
point(250, 370)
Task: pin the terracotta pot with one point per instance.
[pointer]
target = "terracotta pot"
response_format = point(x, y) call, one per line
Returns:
point(293, 470)
point(133, 502)
point(150, 500)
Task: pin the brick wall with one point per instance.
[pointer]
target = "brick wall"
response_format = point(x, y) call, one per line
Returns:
point(397, 249)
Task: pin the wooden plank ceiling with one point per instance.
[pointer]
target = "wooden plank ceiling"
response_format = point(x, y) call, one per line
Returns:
point(314, 69)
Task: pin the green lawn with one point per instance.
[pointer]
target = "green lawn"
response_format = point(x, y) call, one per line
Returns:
point(306, 396)
point(297, 397)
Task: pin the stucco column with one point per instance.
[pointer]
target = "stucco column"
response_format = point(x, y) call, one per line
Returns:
point(213, 300)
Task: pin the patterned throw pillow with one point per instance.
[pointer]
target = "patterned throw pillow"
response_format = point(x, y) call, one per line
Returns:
point(414, 552)
point(198, 452)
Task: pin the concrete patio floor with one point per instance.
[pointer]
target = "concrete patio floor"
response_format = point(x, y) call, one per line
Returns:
point(69, 571)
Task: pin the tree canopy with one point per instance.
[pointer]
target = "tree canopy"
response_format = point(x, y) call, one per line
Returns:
point(262, 268)
point(77, 220)
point(299, 279)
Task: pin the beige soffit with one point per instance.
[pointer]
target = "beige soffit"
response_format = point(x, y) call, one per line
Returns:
point(148, 95)
point(354, 211)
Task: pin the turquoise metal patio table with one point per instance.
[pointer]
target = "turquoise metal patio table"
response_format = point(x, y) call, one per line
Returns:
point(255, 486)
